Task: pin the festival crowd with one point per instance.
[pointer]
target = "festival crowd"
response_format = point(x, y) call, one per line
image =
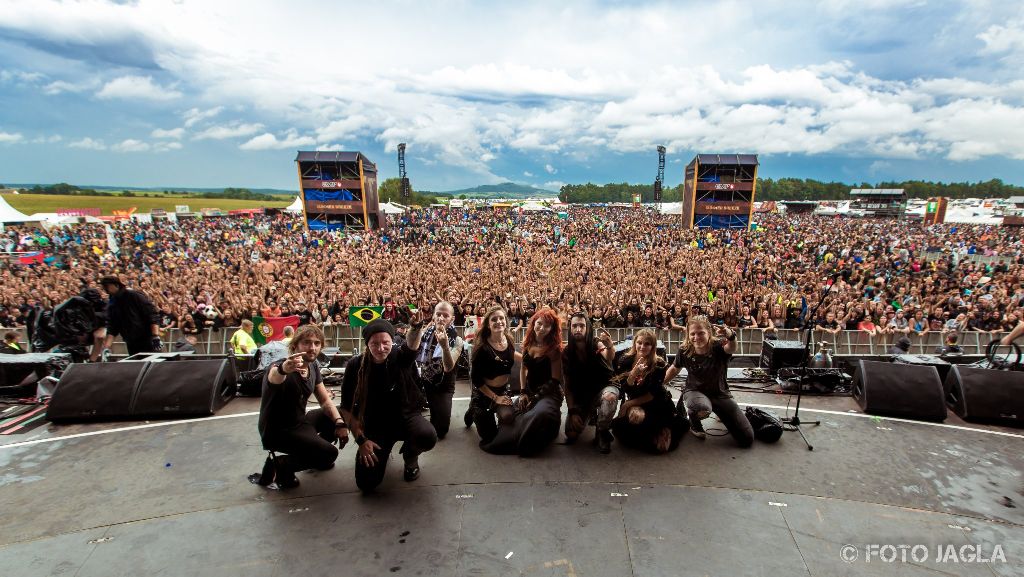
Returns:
point(623, 267)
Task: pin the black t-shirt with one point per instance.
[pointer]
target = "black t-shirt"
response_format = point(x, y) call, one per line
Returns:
point(382, 398)
point(305, 317)
point(392, 392)
point(706, 373)
point(489, 363)
point(585, 377)
point(652, 383)
point(283, 406)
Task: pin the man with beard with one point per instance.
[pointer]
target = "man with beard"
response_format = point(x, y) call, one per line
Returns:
point(586, 365)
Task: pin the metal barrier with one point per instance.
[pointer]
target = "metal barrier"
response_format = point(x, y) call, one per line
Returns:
point(748, 341)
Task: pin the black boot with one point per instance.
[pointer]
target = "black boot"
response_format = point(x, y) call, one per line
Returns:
point(604, 442)
point(412, 464)
point(285, 478)
point(269, 470)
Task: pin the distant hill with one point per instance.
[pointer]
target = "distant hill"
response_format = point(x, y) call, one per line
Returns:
point(503, 190)
point(106, 188)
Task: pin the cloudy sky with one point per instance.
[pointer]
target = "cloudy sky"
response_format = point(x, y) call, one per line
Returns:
point(212, 93)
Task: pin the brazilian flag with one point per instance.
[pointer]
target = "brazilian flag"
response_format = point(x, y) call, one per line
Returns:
point(361, 316)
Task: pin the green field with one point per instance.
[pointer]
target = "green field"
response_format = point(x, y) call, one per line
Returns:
point(33, 203)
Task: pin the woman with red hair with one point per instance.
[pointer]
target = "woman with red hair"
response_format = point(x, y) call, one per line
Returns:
point(539, 406)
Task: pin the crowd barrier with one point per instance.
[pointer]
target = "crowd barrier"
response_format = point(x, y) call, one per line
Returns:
point(855, 343)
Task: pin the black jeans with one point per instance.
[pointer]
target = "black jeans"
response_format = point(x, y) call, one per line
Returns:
point(484, 413)
point(418, 436)
point(439, 399)
point(696, 402)
point(309, 445)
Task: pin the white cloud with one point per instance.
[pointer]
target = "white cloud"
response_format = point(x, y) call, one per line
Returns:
point(10, 137)
point(268, 141)
point(553, 184)
point(527, 173)
point(60, 86)
point(585, 80)
point(167, 146)
point(88, 143)
point(229, 131)
point(175, 133)
point(137, 88)
point(1004, 38)
point(131, 145)
point(52, 139)
point(195, 115)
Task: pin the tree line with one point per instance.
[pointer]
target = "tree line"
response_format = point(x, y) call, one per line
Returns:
point(794, 189)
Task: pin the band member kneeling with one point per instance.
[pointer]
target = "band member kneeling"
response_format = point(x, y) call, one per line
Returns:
point(381, 400)
point(494, 355)
point(706, 388)
point(304, 439)
point(586, 363)
point(647, 418)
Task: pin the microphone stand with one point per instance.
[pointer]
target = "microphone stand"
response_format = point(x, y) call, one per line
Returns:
point(794, 421)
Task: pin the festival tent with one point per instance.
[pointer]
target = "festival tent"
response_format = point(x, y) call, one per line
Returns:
point(10, 215)
point(531, 206)
point(392, 208)
point(670, 207)
point(295, 206)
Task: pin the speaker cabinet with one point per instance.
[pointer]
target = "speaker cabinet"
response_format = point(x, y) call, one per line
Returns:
point(110, 391)
point(940, 364)
point(986, 395)
point(96, 391)
point(898, 390)
point(185, 388)
point(776, 354)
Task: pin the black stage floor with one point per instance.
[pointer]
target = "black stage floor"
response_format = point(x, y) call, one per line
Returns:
point(875, 497)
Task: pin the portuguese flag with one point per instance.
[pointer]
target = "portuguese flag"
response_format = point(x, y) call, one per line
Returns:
point(271, 328)
point(361, 316)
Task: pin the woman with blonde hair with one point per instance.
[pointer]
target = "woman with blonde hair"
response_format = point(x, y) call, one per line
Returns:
point(706, 390)
point(647, 419)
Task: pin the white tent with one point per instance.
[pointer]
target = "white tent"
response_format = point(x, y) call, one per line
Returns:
point(392, 208)
point(295, 206)
point(670, 207)
point(533, 206)
point(8, 214)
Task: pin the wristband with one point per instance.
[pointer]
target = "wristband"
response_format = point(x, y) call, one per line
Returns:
point(339, 422)
point(416, 326)
point(732, 336)
point(360, 440)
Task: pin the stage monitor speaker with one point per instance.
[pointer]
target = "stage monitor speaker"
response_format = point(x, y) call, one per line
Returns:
point(986, 395)
point(96, 391)
point(897, 390)
point(939, 363)
point(776, 354)
point(185, 387)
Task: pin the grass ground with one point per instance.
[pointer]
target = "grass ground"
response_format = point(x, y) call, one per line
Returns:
point(33, 203)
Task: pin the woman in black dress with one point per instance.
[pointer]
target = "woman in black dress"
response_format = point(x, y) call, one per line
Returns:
point(647, 418)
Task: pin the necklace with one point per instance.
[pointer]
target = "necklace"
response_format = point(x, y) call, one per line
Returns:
point(499, 345)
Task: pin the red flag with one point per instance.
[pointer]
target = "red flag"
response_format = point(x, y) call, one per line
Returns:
point(31, 258)
point(272, 328)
